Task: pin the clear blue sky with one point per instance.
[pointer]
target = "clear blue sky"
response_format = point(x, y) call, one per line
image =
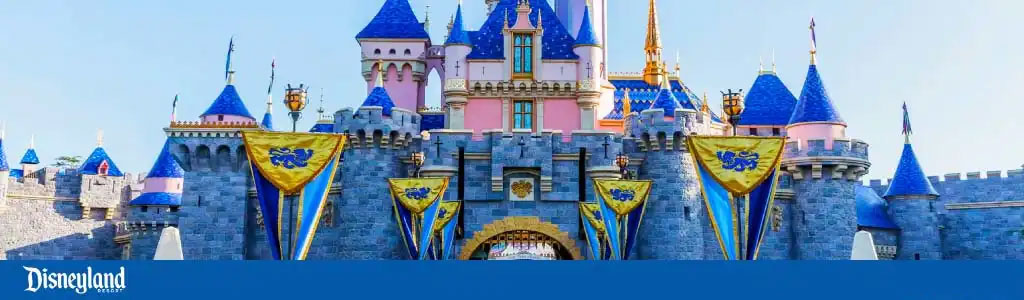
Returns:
point(68, 68)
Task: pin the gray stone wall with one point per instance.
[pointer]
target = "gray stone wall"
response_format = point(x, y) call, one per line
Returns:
point(54, 230)
point(919, 234)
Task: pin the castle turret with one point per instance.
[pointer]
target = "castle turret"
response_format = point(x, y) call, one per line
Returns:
point(825, 167)
point(674, 222)
point(380, 136)
point(768, 106)
point(457, 48)
point(30, 161)
point(398, 41)
point(911, 197)
point(99, 163)
point(588, 47)
point(158, 204)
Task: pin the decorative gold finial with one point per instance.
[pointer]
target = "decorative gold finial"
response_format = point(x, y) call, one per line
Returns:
point(627, 105)
point(773, 60)
point(814, 44)
point(380, 74)
point(99, 138)
point(655, 69)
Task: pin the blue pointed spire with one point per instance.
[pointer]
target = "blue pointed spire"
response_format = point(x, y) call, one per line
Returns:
point(815, 105)
point(395, 20)
point(379, 96)
point(586, 36)
point(30, 157)
point(769, 102)
point(666, 99)
point(3, 156)
point(458, 34)
point(910, 179)
point(228, 103)
point(165, 165)
point(268, 121)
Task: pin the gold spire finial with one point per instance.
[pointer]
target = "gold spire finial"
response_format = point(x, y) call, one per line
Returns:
point(773, 60)
point(627, 105)
point(704, 106)
point(655, 69)
point(380, 74)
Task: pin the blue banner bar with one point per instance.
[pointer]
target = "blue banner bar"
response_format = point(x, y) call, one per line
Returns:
point(553, 280)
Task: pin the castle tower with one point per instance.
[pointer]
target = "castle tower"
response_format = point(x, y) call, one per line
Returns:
point(674, 222)
point(457, 48)
point(655, 69)
point(157, 206)
point(570, 13)
point(588, 47)
point(213, 156)
point(30, 161)
point(825, 167)
point(396, 39)
point(98, 162)
point(380, 137)
point(768, 106)
point(911, 197)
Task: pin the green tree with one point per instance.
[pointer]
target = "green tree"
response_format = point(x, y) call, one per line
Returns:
point(67, 162)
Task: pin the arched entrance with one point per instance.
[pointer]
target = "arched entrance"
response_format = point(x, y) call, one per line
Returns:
point(521, 238)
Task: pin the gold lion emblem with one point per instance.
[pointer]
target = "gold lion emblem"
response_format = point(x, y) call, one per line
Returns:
point(522, 188)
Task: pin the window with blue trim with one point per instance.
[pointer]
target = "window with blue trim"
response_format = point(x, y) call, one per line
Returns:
point(522, 54)
point(522, 114)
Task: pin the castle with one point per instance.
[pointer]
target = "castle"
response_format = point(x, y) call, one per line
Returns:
point(528, 100)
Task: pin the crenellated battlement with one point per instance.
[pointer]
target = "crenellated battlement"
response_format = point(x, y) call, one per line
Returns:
point(852, 148)
point(368, 127)
point(654, 131)
point(968, 177)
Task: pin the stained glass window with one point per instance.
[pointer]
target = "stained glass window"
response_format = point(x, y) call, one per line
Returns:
point(522, 53)
point(522, 114)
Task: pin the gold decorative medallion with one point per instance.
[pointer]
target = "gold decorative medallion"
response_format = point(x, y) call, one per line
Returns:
point(522, 188)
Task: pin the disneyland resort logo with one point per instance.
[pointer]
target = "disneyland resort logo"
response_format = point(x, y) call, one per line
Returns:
point(81, 283)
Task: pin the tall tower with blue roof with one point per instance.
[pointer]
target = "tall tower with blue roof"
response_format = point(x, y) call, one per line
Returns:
point(228, 107)
point(158, 204)
point(589, 48)
point(825, 166)
point(456, 50)
point(911, 198)
point(99, 163)
point(768, 106)
point(396, 39)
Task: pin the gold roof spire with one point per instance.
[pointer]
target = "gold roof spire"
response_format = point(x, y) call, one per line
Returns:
point(655, 69)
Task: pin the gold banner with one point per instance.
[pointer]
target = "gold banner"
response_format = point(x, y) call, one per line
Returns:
point(446, 214)
point(592, 213)
point(417, 194)
point(739, 164)
point(623, 195)
point(290, 160)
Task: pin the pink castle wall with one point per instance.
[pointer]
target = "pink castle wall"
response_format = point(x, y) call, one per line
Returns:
point(163, 185)
point(562, 114)
point(483, 114)
point(405, 93)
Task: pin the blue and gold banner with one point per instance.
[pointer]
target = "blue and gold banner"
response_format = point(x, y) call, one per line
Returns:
point(285, 164)
point(445, 225)
point(622, 204)
point(593, 228)
point(417, 206)
point(737, 172)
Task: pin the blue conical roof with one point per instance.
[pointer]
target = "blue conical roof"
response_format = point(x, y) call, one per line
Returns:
point(815, 104)
point(98, 156)
point(458, 34)
point(379, 97)
point(909, 179)
point(268, 121)
point(158, 198)
point(871, 209)
point(489, 41)
point(165, 165)
point(3, 158)
point(769, 102)
point(395, 20)
point(667, 101)
point(586, 36)
point(30, 157)
point(228, 103)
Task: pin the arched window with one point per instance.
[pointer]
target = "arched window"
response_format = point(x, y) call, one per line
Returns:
point(408, 52)
point(220, 118)
point(103, 168)
point(522, 53)
point(392, 52)
point(376, 51)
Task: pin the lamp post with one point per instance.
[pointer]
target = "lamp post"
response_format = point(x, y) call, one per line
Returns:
point(622, 161)
point(732, 105)
point(417, 161)
point(295, 100)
